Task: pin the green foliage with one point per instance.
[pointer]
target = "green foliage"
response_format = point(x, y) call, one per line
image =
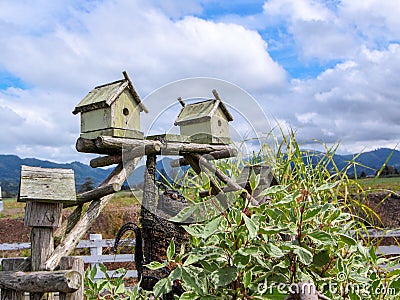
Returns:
point(109, 287)
point(304, 232)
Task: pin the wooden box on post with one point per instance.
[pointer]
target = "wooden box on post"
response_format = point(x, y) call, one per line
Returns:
point(44, 191)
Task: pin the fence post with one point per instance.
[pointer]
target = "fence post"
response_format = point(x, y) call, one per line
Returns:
point(96, 249)
point(11, 264)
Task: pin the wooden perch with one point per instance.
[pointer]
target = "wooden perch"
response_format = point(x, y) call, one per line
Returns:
point(95, 194)
point(224, 178)
point(106, 161)
point(89, 146)
point(212, 155)
point(168, 148)
point(41, 281)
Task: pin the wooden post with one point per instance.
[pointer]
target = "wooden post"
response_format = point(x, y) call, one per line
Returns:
point(44, 191)
point(10, 265)
point(76, 264)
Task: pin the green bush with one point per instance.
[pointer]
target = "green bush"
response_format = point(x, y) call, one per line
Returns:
point(305, 232)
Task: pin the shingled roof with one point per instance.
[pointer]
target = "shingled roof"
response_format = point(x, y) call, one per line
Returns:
point(103, 96)
point(201, 111)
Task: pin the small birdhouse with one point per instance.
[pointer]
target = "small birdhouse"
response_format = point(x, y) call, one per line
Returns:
point(45, 191)
point(205, 121)
point(112, 109)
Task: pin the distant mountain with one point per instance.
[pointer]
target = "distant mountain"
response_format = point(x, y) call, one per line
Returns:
point(370, 161)
point(10, 168)
point(10, 171)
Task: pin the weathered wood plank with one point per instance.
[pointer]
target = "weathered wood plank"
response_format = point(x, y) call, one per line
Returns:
point(42, 214)
point(89, 146)
point(10, 265)
point(106, 161)
point(46, 185)
point(41, 281)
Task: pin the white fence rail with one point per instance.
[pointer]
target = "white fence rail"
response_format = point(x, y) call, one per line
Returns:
point(96, 245)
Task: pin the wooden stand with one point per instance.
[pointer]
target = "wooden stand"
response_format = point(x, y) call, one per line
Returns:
point(45, 191)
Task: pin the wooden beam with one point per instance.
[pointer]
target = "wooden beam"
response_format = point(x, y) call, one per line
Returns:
point(212, 155)
point(168, 148)
point(95, 194)
point(41, 281)
point(223, 177)
point(89, 146)
point(106, 161)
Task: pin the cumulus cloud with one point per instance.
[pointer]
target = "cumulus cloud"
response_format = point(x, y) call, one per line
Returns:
point(60, 51)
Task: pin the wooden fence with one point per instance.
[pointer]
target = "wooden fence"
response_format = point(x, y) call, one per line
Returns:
point(96, 245)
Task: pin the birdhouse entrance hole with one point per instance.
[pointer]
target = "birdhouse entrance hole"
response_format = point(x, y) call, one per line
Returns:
point(125, 111)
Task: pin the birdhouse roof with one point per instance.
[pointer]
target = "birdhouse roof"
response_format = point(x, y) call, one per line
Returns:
point(46, 185)
point(103, 96)
point(201, 111)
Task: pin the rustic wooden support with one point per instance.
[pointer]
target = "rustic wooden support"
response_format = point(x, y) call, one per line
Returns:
point(106, 161)
point(119, 175)
point(75, 264)
point(89, 146)
point(212, 155)
point(12, 264)
point(96, 194)
point(168, 148)
point(224, 178)
point(41, 281)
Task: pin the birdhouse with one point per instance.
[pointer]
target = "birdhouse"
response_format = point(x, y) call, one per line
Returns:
point(45, 191)
point(205, 121)
point(111, 109)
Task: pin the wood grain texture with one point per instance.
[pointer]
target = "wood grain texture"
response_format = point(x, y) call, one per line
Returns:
point(11, 264)
point(38, 214)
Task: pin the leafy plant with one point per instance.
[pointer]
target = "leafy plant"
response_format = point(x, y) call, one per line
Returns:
point(305, 232)
point(109, 287)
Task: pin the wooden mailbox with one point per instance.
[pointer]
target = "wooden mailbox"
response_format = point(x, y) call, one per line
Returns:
point(205, 122)
point(45, 191)
point(111, 109)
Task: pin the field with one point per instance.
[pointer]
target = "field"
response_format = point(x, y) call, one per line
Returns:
point(387, 184)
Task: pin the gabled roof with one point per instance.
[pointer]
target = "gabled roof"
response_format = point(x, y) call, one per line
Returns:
point(201, 111)
point(104, 95)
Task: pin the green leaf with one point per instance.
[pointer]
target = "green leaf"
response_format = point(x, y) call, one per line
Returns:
point(347, 239)
point(224, 276)
point(184, 214)
point(247, 278)
point(171, 250)
point(190, 277)
point(155, 265)
point(327, 186)
point(163, 286)
point(240, 260)
point(189, 295)
point(321, 258)
point(322, 237)
point(175, 274)
point(251, 226)
point(272, 190)
point(303, 254)
point(273, 250)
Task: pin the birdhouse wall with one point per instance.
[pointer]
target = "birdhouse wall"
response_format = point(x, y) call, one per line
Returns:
point(96, 119)
point(192, 129)
point(126, 114)
point(219, 125)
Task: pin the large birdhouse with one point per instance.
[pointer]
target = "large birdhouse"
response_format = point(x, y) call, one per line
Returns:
point(205, 121)
point(111, 109)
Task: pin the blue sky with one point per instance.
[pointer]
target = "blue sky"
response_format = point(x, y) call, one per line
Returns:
point(328, 69)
